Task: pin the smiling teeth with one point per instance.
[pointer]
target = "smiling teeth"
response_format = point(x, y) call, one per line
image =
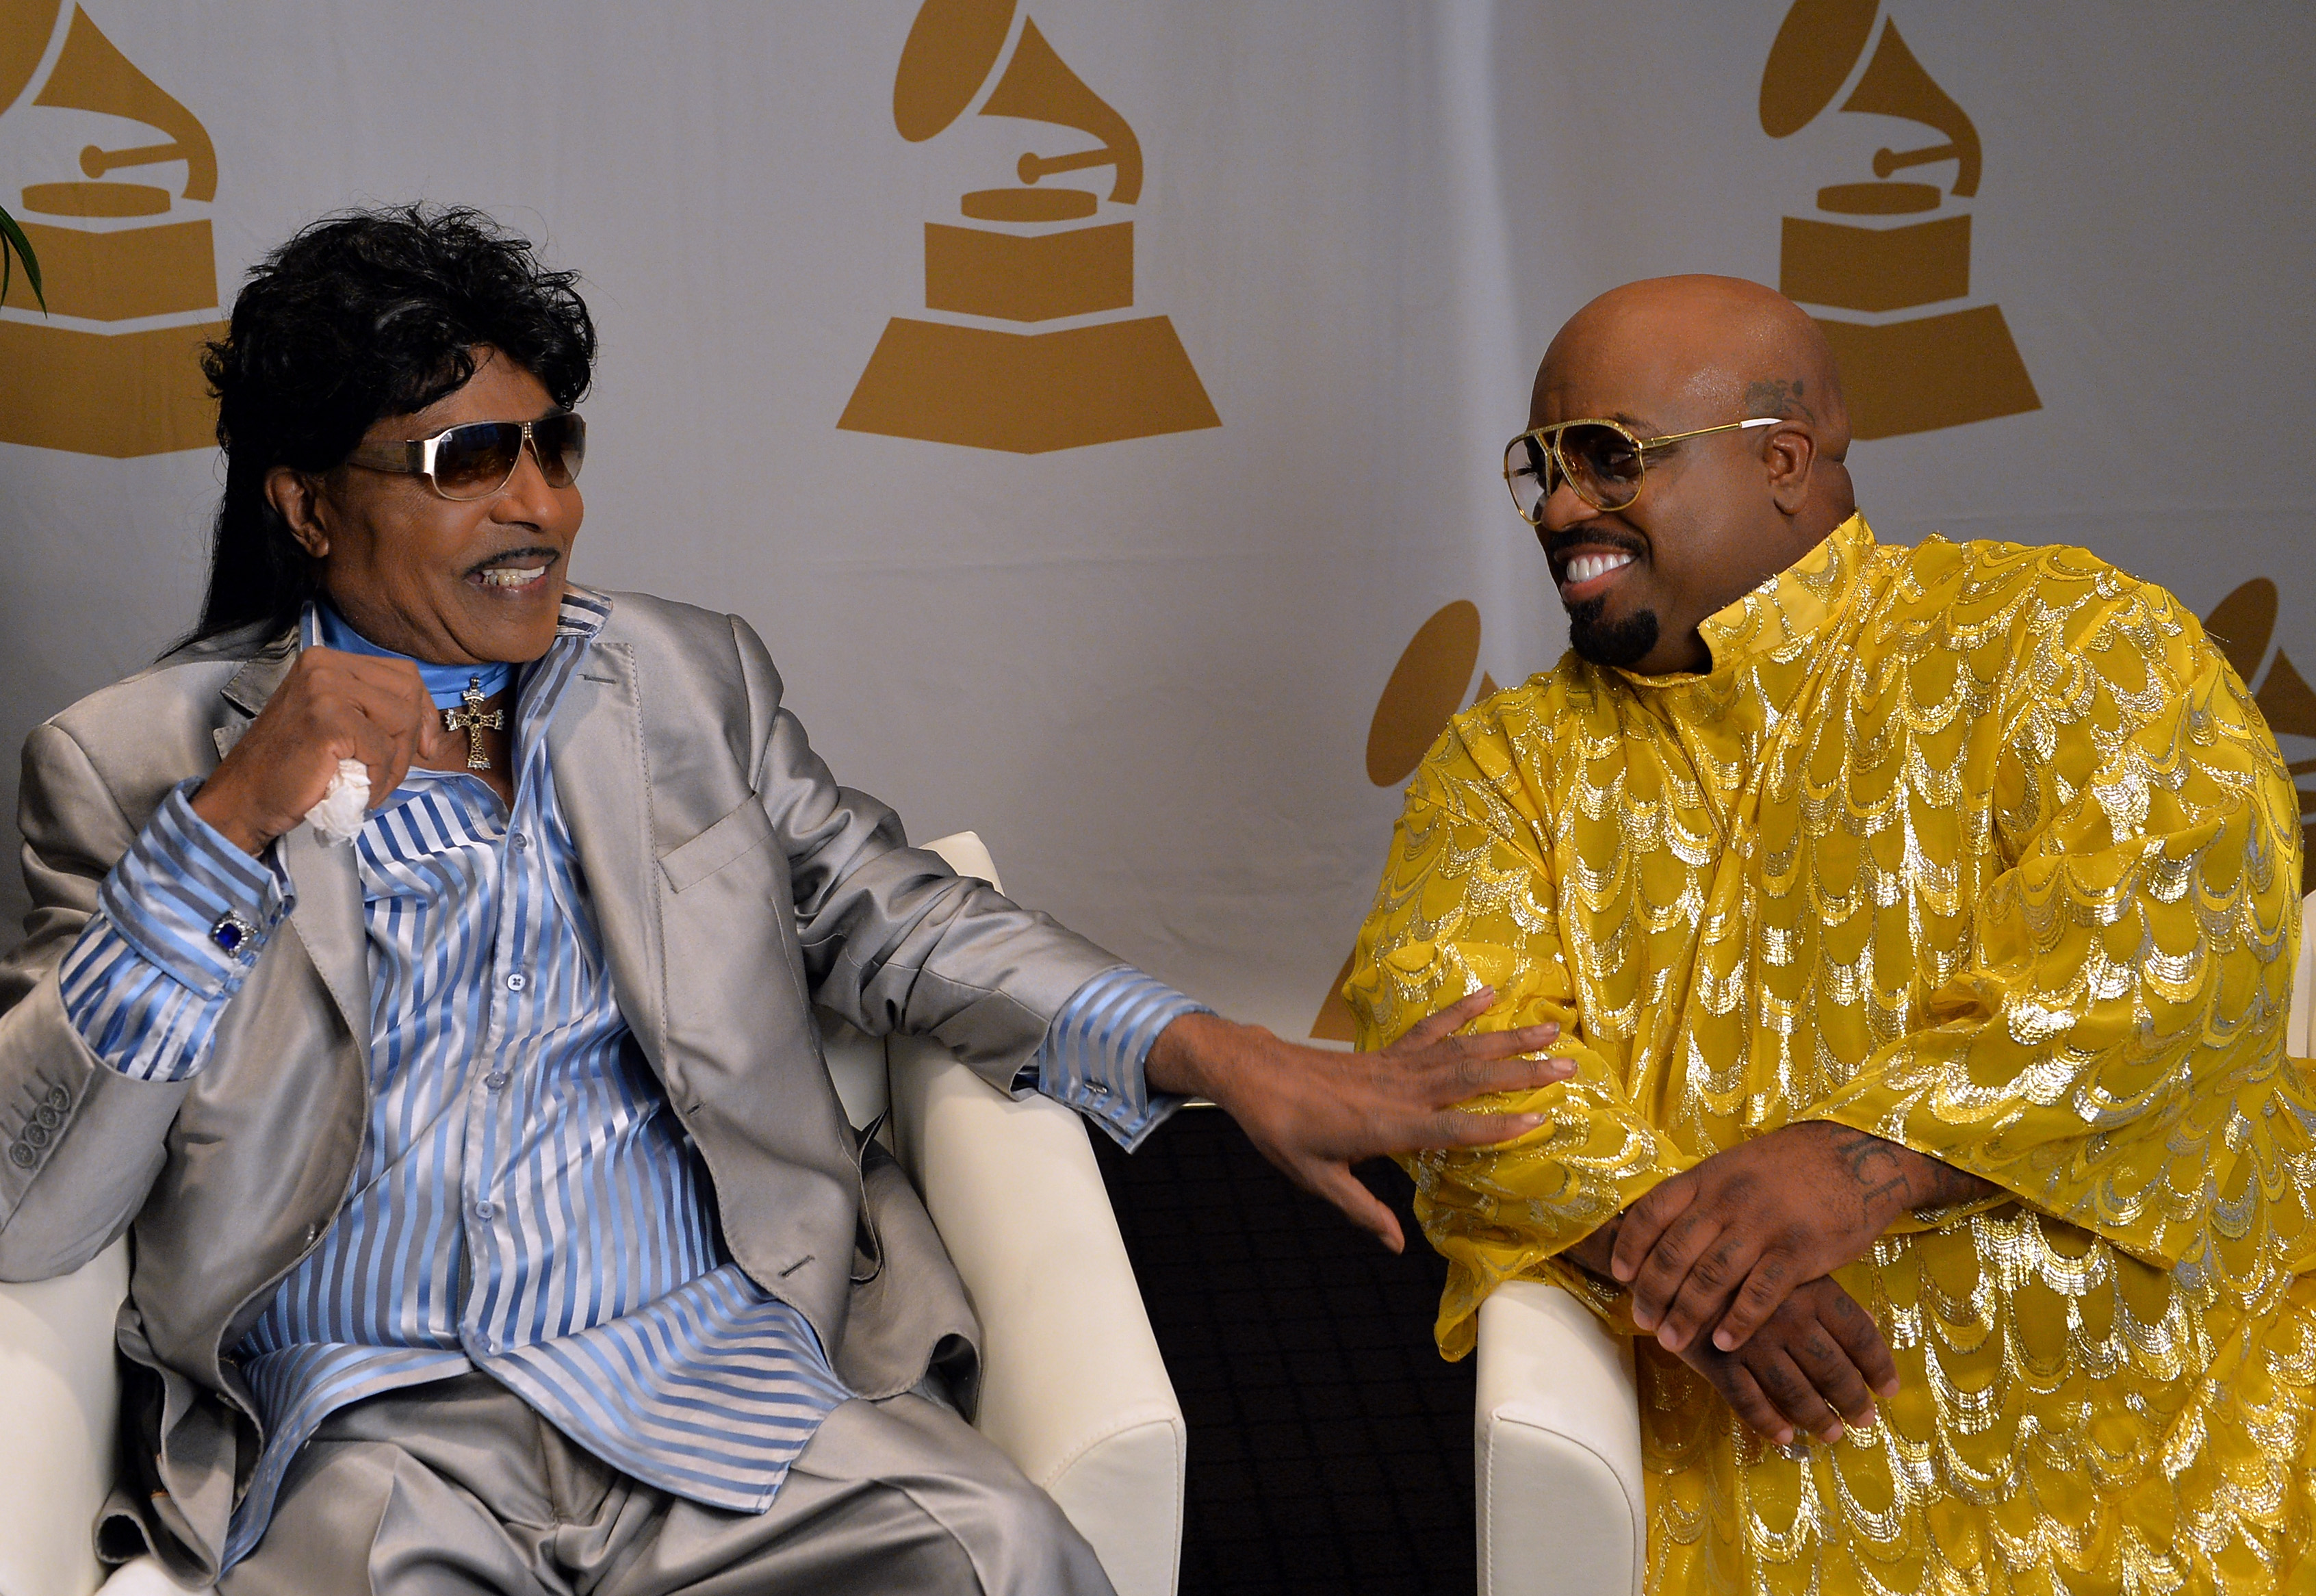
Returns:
point(512, 575)
point(1586, 566)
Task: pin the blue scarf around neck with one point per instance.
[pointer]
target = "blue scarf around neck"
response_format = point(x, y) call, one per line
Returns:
point(446, 683)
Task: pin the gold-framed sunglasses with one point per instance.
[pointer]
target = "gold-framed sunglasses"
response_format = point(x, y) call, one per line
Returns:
point(1603, 461)
point(477, 459)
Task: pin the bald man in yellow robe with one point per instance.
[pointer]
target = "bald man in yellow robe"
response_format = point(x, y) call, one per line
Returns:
point(1921, 924)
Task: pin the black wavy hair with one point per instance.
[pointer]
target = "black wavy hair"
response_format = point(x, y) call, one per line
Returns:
point(363, 315)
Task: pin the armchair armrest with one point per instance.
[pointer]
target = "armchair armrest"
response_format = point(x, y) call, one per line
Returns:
point(57, 1429)
point(1558, 1449)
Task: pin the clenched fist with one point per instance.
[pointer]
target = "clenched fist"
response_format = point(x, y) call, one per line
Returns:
point(331, 706)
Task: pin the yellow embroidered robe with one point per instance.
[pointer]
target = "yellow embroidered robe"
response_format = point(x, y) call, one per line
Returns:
point(1979, 847)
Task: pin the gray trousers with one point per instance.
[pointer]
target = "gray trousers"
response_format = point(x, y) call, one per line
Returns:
point(461, 1488)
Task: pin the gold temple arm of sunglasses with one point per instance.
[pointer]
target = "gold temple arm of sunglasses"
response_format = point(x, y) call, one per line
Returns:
point(1726, 427)
point(406, 457)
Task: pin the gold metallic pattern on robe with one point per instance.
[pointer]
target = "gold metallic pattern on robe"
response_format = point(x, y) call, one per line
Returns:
point(1979, 848)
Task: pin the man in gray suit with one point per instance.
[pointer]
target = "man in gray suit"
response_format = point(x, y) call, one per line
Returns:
point(496, 1224)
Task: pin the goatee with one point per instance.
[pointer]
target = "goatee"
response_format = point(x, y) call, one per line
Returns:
point(1623, 643)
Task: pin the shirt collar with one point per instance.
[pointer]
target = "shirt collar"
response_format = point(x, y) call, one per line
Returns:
point(584, 611)
point(1778, 620)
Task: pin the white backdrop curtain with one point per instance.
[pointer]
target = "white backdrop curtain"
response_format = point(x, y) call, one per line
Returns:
point(1146, 669)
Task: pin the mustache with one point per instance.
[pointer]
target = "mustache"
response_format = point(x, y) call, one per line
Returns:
point(520, 551)
point(1592, 535)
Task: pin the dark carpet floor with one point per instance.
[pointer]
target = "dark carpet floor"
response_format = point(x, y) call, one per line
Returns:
point(1330, 1446)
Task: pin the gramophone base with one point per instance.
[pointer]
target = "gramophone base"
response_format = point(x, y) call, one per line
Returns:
point(168, 269)
point(1026, 393)
point(1930, 372)
point(114, 394)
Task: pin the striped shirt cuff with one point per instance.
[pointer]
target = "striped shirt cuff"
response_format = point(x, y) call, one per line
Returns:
point(180, 922)
point(1093, 1054)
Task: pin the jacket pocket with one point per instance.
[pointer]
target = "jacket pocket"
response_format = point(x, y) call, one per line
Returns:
point(742, 831)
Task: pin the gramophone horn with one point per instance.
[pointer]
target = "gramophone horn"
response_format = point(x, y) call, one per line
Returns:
point(952, 48)
point(1039, 87)
point(1894, 84)
point(1817, 45)
point(90, 74)
point(2286, 702)
point(25, 29)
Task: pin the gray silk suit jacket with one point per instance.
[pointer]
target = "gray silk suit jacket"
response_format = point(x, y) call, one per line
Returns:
point(735, 886)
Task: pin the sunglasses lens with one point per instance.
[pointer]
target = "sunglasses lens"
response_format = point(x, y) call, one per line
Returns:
point(1603, 465)
point(1528, 467)
point(561, 441)
point(476, 460)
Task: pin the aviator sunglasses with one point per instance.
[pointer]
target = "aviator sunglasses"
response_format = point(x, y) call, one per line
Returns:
point(1603, 461)
point(477, 459)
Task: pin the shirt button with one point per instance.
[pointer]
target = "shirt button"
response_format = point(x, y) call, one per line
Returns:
point(518, 981)
point(496, 1079)
point(487, 1209)
point(520, 841)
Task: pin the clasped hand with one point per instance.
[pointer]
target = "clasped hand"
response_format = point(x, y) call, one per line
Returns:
point(1742, 1245)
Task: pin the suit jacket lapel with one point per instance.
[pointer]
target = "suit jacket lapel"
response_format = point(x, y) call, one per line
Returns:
point(595, 746)
point(328, 920)
point(254, 684)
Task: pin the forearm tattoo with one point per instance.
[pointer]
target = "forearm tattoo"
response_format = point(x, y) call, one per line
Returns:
point(1899, 1177)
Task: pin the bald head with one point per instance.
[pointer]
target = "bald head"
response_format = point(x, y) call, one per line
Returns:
point(1716, 342)
point(1717, 514)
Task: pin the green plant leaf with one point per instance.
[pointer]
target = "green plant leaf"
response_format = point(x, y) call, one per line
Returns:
point(12, 241)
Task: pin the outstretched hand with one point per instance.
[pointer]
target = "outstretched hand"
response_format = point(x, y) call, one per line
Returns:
point(1723, 1244)
point(1315, 1113)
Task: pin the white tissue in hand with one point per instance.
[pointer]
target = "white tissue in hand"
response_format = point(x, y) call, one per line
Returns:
point(338, 817)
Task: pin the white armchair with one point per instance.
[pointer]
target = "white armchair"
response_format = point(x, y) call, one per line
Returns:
point(1073, 1388)
point(1557, 1430)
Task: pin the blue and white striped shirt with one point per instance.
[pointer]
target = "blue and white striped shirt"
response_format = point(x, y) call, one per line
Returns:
point(525, 1202)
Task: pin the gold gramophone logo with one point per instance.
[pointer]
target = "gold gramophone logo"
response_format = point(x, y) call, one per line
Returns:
point(1037, 253)
point(1900, 254)
point(2243, 624)
point(1425, 690)
point(130, 268)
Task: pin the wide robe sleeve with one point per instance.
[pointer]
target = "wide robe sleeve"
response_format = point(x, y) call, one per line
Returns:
point(2112, 1050)
point(1467, 901)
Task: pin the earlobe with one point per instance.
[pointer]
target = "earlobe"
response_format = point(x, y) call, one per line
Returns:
point(1790, 455)
point(297, 498)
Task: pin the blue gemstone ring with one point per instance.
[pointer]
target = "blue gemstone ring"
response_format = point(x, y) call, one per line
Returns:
point(235, 935)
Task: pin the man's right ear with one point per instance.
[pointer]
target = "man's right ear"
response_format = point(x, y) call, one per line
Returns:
point(297, 498)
